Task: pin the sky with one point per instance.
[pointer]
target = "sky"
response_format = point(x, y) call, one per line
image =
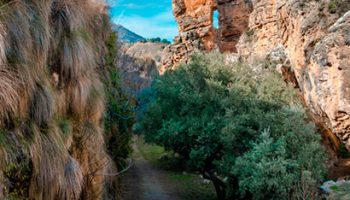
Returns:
point(147, 18)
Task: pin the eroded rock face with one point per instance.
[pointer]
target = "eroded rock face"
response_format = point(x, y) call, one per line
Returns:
point(138, 65)
point(314, 40)
point(233, 22)
point(328, 91)
point(196, 31)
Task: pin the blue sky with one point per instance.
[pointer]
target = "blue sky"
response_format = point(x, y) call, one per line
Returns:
point(146, 18)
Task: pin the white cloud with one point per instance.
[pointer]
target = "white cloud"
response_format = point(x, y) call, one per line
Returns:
point(140, 6)
point(161, 25)
point(128, 5)
point(112, 3)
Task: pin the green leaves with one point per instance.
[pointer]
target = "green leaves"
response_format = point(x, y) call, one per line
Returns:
point(237, 121)
point(119, 116)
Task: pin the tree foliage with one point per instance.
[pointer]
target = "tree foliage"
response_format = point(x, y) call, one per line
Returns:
point(119, 115)
point(240, 126)
point(158, 40)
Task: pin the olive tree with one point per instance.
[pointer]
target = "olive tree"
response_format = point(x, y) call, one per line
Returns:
point(240, 126)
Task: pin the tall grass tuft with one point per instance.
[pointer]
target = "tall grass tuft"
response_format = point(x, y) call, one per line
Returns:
point(52, 99)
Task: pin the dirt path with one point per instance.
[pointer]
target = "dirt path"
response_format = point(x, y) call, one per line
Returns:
point(145, 182)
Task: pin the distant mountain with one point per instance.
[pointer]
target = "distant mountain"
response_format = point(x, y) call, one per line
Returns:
point(138, 64)
point(126, 35)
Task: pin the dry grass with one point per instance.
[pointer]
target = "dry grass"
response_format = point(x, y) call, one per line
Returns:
point(41, 105)
point(73, 53)
point(48, 158)
point(74, 176)
point(18, 45)
point(48, 71)
point(88, 149)
point(9, 97)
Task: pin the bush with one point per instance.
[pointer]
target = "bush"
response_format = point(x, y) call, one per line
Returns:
point(119, 116)
point(241, 127)
point(332, 6)
point(343, 152)
point(282, 166)
point(338, 6)
point(340, 192)
point(158, 40)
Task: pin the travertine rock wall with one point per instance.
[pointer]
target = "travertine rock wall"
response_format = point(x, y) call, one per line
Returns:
point(315, 42)
point(314, 38)
point(233, 22)
point(196, 31)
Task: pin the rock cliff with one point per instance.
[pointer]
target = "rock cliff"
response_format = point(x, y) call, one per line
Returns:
point(138, 64)
point(308, 40)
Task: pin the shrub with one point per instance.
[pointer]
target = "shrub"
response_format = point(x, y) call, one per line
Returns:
point(282, 166)
point(338, 6)
point(158, 40)
point(240, 126)
point(343, 152)
point(340, 192)
point(119, 116)
point(332, 6)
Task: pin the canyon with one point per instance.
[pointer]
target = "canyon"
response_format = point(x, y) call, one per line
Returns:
point(66, 118)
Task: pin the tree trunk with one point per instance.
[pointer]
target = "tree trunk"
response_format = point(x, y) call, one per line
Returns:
point(220, 186)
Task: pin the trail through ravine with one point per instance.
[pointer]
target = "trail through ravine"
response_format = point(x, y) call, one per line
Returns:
point(143, 181)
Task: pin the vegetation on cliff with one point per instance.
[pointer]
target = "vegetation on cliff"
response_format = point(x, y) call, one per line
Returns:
point(240, 126)
point(119, 116)
point(53, 54)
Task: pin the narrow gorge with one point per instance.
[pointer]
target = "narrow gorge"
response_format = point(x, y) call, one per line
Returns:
point(256, 106)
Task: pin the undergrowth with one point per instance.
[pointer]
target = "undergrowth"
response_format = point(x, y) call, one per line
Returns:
point(188, 184)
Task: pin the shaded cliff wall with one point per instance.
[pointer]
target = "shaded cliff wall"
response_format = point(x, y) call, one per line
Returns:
point(52, 99)
point(308, 39)
point(138, 65)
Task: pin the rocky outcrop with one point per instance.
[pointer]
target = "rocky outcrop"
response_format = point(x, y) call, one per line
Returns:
point(325, 78)
point(196, 31)
point(233, 22)
point(313, 36)
point(138, 65)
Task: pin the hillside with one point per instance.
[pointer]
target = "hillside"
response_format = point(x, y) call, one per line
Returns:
point(138, 64)
point(126, 35)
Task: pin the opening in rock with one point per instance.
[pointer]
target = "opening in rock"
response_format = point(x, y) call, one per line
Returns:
point(216, 19)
